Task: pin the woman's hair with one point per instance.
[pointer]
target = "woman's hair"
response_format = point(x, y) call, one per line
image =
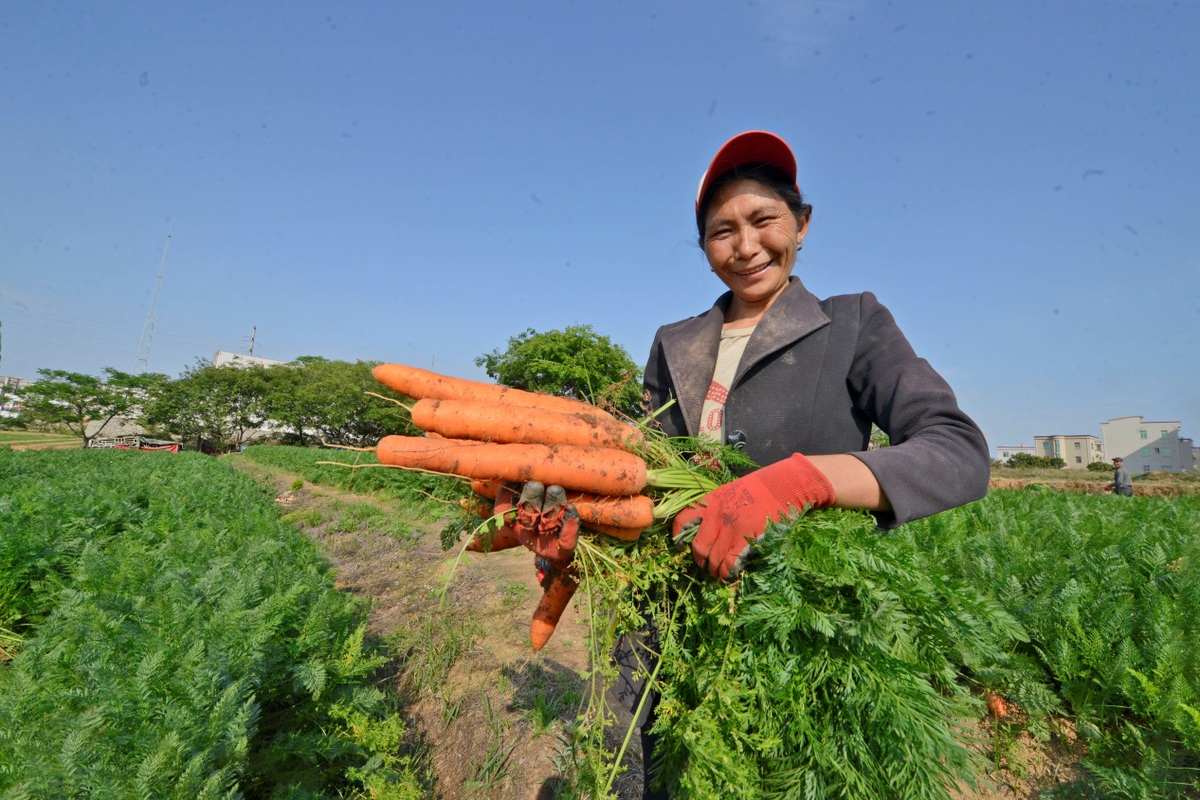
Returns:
point(768, 176)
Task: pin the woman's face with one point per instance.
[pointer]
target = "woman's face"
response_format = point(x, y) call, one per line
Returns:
point(750, 239)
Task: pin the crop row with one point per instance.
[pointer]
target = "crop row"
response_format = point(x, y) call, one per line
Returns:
point(359, 471)
point(1107, 590)
point(168, 636)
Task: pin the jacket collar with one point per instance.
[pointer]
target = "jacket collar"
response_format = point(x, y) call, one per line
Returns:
point(690, 347)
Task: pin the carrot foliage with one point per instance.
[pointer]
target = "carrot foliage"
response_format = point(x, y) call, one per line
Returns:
point(832, 668)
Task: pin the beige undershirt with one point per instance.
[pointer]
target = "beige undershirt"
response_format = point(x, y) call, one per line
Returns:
point(729, 355)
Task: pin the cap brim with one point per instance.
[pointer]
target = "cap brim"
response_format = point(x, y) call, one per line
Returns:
point(751, 147)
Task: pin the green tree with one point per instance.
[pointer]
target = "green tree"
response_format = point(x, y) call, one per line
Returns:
point(78, 401)
point(879, 438)
point(334, 402)
point(574, 362)
point(1030, 461)
point(207, 404)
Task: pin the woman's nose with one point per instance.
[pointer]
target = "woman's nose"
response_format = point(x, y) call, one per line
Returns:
point(744, 244)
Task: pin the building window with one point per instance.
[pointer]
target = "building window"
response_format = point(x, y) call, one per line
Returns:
point(1078, 459)
point(1077, 445)
point(1166, 451)
point(1145, 467)
point(1156, 450)
point(1145, 452)
point(1142, 434)
point(1164, 434)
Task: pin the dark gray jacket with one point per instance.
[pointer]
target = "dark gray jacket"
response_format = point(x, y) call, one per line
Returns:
point(815, 375)
point(1121, 479)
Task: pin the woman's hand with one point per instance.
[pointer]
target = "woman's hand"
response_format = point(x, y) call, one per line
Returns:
point(733, 515)
point(541, 519)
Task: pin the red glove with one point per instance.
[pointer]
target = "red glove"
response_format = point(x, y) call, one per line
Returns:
point(732, 515)
point(542, 520)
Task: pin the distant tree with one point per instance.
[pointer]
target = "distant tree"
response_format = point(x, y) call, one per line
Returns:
point(878, 438)
point(207, 404)
point(574, 362)
point(74, 400)
point(1030, 461)
point(1100, 466)
point(334, 402)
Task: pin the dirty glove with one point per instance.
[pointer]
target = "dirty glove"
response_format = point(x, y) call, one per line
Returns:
point(545, 522)
point(730, 516)
point(533, 515)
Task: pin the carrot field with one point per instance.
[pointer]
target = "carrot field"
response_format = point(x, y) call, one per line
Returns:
point(177, 628)
point(163, 634)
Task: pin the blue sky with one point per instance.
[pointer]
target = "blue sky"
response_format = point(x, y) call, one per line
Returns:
point(418, 182)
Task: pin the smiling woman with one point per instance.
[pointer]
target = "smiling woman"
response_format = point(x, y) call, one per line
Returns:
point(796, 382)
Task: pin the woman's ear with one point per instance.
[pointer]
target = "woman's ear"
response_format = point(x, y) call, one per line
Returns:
point(802, 229)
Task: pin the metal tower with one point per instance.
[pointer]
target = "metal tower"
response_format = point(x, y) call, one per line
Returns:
point(143, 354)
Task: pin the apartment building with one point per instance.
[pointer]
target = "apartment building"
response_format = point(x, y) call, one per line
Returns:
point(1076, 451)
point(1005, 452)
point(1148, 445)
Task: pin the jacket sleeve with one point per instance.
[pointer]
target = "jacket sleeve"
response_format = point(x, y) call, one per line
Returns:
point(938, 458)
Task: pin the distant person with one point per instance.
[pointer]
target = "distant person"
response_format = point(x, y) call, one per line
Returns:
point(1121, 482)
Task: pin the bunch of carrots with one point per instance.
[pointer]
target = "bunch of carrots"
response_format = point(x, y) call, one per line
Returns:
point(501, 438)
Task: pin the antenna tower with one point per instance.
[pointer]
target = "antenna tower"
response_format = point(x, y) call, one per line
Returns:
point(143, 354)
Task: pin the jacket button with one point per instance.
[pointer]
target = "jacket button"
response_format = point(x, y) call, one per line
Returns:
point(737, 439)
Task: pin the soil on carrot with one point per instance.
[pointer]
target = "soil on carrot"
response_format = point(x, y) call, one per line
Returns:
point(488, 716)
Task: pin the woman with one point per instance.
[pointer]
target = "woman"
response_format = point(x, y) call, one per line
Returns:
point(796, 382)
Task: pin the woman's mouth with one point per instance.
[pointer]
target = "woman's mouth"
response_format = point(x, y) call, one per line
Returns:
point(753, 270)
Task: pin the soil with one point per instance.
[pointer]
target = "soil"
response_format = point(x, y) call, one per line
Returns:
point(1151, 484)
point(492, 724)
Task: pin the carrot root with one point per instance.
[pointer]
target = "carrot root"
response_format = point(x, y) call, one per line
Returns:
point(615, 531)
point(560, 588)
point(588, 469)
point(620, 511)
point(489, 421)
point(488, 542)
point(420, 384)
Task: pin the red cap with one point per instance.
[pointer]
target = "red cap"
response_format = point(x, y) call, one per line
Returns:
point(751, 147)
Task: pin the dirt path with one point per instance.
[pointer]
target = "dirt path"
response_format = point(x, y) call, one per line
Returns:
point(493, 721)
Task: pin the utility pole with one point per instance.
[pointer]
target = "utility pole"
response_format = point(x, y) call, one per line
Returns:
point(143, 355)
point(253, 332)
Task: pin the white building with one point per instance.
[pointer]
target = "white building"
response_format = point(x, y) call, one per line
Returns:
point(1005, 452)
point(223, 358)
point(1076, 451)
point(1147, 445)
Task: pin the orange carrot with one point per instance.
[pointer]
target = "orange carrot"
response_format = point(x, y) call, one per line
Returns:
point(559, 589)
point(491, 541)
point(489, 421)
point(996, 705)
point(628, 511)
point(615, 531)
point(587, 469)
point(488, 489)
point(476, 506)
point(620, 511)
point(420, 383)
